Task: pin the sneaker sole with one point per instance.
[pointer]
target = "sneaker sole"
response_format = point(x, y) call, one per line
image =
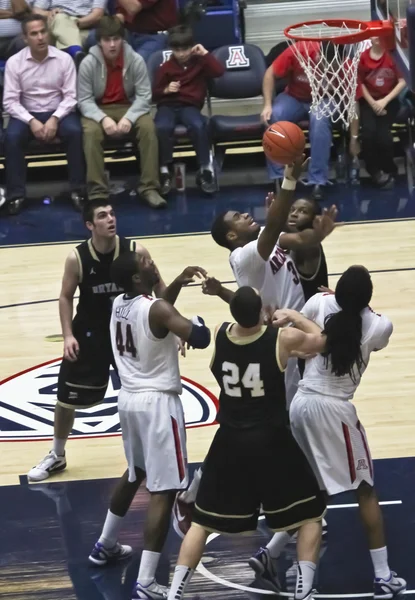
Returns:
point(390, 595)
point(256, 566)
point(101, 563)
point(47, 473)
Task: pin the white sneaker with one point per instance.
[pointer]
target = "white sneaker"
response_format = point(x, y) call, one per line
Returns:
point(388, 588)
point(52, 463)
point(101, 555)
point(152, 591)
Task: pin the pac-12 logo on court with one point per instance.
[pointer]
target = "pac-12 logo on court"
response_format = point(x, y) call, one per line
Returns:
point(237, 58)
point(27, 402)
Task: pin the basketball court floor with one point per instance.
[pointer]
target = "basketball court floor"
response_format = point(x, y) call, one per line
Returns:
point(48, 529)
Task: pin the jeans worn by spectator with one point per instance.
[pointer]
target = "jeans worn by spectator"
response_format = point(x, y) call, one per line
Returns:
point(147, 43)
point(143, 131)
point(16, 140)
point(167, 117)
point(377, 138)
point(288, 108)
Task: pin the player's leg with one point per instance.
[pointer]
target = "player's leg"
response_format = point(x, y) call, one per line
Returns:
point(184, 505)
point(163, 439)
point(191, 552)
point(320, 148)
point(81, 384)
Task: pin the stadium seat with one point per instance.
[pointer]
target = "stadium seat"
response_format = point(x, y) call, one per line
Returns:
point(245, 68)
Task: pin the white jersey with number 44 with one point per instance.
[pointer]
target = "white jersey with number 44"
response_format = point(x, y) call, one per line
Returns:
point(144, 362)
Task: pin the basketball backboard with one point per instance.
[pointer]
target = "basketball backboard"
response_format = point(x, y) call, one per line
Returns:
point(402, 13)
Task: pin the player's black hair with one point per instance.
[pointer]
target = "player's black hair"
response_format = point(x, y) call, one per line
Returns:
point(246, 306)
point(91, 205)
point(219, 230)
point(122, 270)
point(179, 37)
point(344, 329)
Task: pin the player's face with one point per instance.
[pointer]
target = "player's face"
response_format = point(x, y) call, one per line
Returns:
point(104, 223)
point(147, 271)
point(242, 226)
point(301, 216)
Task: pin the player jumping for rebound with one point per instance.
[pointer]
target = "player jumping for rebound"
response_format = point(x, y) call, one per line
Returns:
point(253, 444)
point(324, 421)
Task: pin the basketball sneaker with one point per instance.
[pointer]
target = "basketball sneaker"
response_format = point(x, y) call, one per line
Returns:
point(388, 588)
point(265, 569)
point(101, 555)
point(152, 591)
point(182, 516)
point(52, 463)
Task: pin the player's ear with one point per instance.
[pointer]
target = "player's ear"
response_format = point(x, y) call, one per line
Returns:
point(231, 236)
point(136, 278)
point(89, 225)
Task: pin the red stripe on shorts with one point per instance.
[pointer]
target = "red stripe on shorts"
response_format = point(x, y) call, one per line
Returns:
point(366, 447)
point(349, 450)
point(177, 445)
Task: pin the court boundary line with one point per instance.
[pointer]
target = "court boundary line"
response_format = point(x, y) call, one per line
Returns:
point(191, 285)
point(189, 234)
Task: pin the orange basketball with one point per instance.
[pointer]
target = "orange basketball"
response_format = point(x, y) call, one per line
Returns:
point(283, 142)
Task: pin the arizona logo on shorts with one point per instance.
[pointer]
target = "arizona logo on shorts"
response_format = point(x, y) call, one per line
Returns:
point(361, 464)
point(27, 403)
point(237, 58)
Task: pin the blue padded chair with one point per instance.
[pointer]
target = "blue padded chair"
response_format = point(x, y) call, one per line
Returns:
point(245, 67)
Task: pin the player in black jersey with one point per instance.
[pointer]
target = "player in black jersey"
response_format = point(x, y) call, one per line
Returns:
point(254, 460)
point(84, 373)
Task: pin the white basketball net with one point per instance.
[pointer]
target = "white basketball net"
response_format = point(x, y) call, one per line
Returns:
point(331, 71)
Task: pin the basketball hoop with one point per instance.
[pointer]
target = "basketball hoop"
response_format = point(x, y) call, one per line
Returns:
point(331, 69)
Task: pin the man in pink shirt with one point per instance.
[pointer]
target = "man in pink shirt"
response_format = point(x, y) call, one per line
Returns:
point(40, 97)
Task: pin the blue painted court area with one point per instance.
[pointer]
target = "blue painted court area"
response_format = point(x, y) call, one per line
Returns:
point(48, 531)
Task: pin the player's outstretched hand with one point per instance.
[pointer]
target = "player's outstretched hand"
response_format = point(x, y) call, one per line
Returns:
point(281, 318)
point(269, 199)
point(70, 348)
point(297, 168)
point(211, 286)
point(190, 273)
point(326, 222)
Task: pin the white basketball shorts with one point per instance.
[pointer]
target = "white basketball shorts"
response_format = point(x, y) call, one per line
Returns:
point(332, 438)
point(154, 437)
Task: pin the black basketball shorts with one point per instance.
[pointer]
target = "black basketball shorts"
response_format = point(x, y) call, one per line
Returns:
point(83, 383)
point(253, 468)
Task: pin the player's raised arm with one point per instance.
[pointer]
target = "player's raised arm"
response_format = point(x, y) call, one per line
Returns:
point(293, 342)
point(213, 287)
point(164, 318)
point(323, 226)
point(187, 276)
point(286, 316)
point(279, 208)
point(71, 278)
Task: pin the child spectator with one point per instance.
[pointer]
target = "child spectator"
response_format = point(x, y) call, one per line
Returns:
point(381, 83)
point(179, 90)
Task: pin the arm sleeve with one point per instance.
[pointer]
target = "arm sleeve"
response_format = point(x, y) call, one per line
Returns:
point(142, 100)
point(282, 65)
point(11, 95)
point(381, 336)
point(310, 308)
point(160, 82)
point(68, 102)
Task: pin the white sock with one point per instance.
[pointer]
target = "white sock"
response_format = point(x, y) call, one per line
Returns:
point(111, 530)
point(379, 558)
point(182, 576)
point(189, 496)
point(277, 543)
point(164, 169)
point(148, 567)
point(59, 446)
point(305, 579)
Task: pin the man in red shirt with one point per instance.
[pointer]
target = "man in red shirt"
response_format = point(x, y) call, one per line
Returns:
point(179, 90)
point(147, 22)
point(294, 105)
point(381, 84)
point(114, 97)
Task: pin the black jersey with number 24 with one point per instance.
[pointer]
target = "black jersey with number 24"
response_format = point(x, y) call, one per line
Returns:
point(252, 388)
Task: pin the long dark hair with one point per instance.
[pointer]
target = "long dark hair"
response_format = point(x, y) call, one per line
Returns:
point(344, 328)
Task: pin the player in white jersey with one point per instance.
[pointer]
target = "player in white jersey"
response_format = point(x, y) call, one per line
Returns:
point(144, 342)
point(324, 422)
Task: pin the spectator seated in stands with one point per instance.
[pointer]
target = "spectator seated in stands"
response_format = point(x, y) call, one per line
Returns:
point(71, 21)
point(179, 90)
point(12, 12)
point(40, 97)
point(148, 21)
point(114, 97)
point(381, 83)
point(294, 105)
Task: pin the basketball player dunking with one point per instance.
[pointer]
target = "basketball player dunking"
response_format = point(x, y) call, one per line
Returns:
point(248, 363)
point(84, 373)
point(324, 421)
point(144, 342)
